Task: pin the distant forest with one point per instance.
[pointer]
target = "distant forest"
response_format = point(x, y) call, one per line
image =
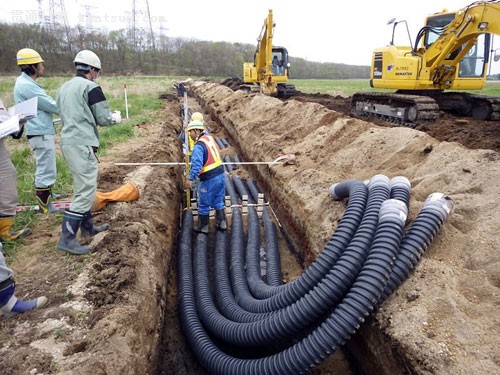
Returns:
point(131, 51)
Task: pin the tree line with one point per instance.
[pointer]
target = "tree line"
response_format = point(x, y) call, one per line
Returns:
point(130, 51)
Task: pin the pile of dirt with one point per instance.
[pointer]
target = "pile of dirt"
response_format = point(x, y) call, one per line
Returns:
point(473, 134)
point(444, 318)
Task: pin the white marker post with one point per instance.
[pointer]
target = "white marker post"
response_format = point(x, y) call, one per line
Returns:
point(126, 102)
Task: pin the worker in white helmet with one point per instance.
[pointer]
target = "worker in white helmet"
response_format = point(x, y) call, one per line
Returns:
point(83, 107)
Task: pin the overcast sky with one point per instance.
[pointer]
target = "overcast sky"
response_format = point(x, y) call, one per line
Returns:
point(316, 30)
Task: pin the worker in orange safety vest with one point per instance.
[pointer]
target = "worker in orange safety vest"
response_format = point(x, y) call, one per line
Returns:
point(206, 163)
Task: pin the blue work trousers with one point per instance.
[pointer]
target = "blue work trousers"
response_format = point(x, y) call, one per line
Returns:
point(211, 194)
point(43, 147)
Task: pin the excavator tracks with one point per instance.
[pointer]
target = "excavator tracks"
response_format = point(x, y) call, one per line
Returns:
point(479, 107)
point(401, 109)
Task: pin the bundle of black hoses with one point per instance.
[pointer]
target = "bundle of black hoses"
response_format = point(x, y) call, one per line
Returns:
point(367, 258)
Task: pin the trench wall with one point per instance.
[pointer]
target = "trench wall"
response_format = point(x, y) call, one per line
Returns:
point(414, 330)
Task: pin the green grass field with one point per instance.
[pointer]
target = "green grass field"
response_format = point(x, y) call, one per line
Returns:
point(144, 105)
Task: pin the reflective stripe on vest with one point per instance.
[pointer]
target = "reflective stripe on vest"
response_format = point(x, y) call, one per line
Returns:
point(214, 159)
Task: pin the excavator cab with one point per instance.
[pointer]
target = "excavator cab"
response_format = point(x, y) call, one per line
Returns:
point(473, 64)
point(279, 62)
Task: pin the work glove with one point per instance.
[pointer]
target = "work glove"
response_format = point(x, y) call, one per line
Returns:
point(116, 116)
point(18, 134)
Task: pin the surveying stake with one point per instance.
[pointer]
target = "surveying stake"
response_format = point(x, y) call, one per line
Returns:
point(126, 100)
point(186, 145)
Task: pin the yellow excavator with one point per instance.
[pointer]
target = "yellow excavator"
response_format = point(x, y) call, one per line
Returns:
point(451, 52)
point(268, 73)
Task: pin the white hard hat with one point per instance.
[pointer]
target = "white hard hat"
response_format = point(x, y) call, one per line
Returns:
point(89, 58)
point(195, 124)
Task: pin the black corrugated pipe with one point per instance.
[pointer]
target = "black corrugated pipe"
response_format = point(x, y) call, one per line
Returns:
point(252, 188)
point(436, 209)
point(401, 189)
point(226, 303)
point(330, 335)
point(255, 279)
point(358, 196)
point(273, 263)
point(272, 271)
point(228, 165)
point(219, 142)
point(338, 277)
point(228, 184)
point(239, 186)
point(237, 161)
point(286, 323)
point(224, 295)
point(252, 254)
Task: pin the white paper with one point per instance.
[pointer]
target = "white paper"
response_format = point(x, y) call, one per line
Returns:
point(26, 110)
point(9, 126)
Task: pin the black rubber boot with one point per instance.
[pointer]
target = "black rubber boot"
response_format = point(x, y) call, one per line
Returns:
point(220, 215)
point(44, 200)
point(203, 224)
point(88, 229)
point(67, 242)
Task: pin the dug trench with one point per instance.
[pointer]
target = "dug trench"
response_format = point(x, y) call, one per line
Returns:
point(116, 311)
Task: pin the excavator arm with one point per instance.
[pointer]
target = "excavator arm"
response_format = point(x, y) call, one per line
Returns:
point(264, 51)
point(271, 80)
point(462, 33)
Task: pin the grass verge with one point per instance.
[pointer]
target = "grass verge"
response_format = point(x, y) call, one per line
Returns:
point(143, 105)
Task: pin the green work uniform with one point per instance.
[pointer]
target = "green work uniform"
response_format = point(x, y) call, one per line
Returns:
point(82, 106)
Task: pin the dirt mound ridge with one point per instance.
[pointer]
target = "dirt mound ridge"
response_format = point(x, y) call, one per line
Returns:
point(444, 319)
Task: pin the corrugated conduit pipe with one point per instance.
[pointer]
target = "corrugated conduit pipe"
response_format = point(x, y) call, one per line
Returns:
point(272, 271)
point(286, 323)
point(436, 209)
point(224, 296)
point(225, 299)
point(358, 195)
point(330, 335)
point(335, 280)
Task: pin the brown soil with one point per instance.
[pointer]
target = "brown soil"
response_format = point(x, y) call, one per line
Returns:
point(104, 309)
point(471, 133)
point(109, 312)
